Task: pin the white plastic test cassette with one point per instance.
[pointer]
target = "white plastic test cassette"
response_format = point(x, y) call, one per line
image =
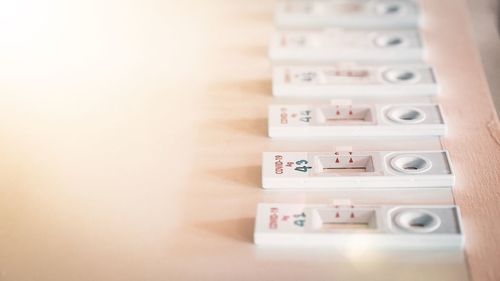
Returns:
point(347, 13)
point(341, 118)
point(383, 226)
point(358, 169)
point(354, 80)
point(333, 45)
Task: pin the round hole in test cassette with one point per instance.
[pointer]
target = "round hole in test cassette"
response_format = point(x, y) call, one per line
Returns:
point(389, 41)
point(411, 164)
point(405, 115)
point(390, 8)
point(416, 220)
point(401, 76)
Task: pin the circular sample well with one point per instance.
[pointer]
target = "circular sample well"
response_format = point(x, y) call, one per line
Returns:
point(401, 76)
point(411, 164)
point(389, 41)
point(405, 115)
point(417, 221)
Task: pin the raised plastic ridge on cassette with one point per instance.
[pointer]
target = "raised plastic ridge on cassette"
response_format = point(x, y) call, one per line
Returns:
point(345, 119)
point(346, 13)
point(383, 226)
point(356, 169)
point(349, 80)
point(334, 45)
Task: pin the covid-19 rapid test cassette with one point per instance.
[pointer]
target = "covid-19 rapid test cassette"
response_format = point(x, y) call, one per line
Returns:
point(356, 169)
point(334, 45)
point(354, 80)
point(346, 13)
point(342, 118)
point(347, 226)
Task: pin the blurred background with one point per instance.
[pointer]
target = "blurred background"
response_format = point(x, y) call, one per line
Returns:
point(485, 15)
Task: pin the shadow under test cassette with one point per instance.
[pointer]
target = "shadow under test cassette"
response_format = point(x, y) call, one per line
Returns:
point(346, 13)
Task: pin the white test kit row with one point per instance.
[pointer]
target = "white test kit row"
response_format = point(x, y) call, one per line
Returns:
point(346, 13)
point(333, 45)
point(345, 226)
point(342, 118)
point(356, 169)
point(354, 80)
